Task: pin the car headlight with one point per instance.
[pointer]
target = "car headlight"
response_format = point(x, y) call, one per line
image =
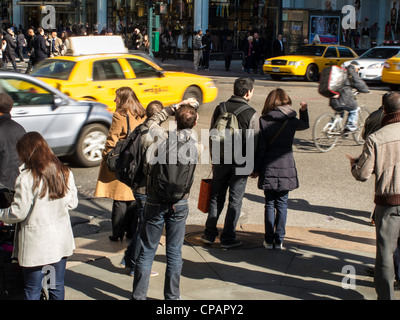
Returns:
point(210, 84)
point(267, 63)
point(296, 63)
point(375, 66)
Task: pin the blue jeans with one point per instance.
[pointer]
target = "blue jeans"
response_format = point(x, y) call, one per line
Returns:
point(156, 215)
point(275, 216)
point(133, 250)
point(224, 177)
point(33, 277)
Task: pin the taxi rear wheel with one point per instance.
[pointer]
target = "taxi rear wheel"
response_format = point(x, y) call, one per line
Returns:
point(312, 73)
point(193, 92)
point(90, 145)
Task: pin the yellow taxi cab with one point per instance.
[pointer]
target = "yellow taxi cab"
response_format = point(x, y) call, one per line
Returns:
point(391, 72)
point(308, 61)
point(95, 67)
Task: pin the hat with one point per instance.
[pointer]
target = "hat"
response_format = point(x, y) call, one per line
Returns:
point(6, 103)
point(249, 38)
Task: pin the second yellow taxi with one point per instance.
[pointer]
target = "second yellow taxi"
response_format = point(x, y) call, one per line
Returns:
point(308, 61)
point(391, 72)
point(87, 76)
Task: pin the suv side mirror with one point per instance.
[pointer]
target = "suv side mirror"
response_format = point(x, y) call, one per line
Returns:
point(57, 101)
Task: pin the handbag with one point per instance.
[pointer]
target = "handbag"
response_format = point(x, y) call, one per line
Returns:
point(6, 196)
point(204, 195)
point(113, 155)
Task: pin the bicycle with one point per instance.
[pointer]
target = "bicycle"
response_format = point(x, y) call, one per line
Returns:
point(330, 127)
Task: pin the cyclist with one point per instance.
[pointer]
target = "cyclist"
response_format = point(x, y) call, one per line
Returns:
point(345, 100)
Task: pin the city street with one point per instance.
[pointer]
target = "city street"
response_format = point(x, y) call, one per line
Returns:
point(328, 196)
point(328, 227)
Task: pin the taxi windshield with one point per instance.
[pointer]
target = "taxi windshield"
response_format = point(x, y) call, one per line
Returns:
point(309, 51)
point(380, 53)
point(55, 69)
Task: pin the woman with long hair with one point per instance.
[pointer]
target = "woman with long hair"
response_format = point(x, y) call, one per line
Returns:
point(128, 108)
point(274, 161)
point(45, 191)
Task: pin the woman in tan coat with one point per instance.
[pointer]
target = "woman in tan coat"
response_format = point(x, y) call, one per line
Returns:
point(127, 107)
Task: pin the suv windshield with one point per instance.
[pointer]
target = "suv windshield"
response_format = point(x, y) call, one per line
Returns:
point(380, 53)
point(309, 51)
point(55, 69)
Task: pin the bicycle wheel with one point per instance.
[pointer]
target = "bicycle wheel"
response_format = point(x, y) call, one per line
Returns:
point(326, 132)
point(363, 114)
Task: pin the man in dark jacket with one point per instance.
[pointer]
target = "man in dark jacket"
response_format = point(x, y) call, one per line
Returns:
point(29, 50)
point(10, 49)
point(346, 99)
point(232, 175)
point(278, 48)
point(207, 43)
point(39, 45)
point(228, 49)
point(10, 133)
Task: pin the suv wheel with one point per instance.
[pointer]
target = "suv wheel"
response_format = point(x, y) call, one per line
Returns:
point(90, 145)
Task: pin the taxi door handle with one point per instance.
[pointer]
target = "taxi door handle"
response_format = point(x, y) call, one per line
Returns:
point(140, 83)
point(99, 87)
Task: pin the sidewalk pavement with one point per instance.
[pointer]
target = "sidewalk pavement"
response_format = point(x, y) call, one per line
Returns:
point(314, 264)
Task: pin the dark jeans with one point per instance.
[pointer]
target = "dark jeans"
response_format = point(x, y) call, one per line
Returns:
point(275, 216)
point(133, 250)
point(156, 215)
point(33, 277)
point(224, 177)
point(228, 60)
point(206, 59)
point(123, 215)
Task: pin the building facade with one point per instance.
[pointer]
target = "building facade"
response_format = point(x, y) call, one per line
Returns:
point(296, 20)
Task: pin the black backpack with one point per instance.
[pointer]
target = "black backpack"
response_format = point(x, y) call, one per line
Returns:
point(172, 179)
point(126, 158)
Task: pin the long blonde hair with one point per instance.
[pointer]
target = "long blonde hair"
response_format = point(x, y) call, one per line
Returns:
point(129, 102)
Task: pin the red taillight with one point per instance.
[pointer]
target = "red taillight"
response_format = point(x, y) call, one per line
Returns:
point(386, 65)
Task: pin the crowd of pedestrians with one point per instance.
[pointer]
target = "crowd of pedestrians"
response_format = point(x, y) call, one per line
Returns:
point(36, 44)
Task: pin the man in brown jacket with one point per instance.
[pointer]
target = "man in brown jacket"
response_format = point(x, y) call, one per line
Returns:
point(381, 156)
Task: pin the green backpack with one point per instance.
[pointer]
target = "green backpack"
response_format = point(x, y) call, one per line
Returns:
point(223, 133)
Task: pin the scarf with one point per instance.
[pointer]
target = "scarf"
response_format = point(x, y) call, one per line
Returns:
point(391, 118)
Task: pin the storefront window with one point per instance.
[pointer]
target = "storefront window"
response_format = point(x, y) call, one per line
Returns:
point(238, 18)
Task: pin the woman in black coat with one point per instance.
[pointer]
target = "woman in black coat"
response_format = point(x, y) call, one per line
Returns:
point(274, 162)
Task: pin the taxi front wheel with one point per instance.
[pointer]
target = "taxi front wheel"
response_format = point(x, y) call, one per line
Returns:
point(312, 73)
point(193, 92)
point(90, 145)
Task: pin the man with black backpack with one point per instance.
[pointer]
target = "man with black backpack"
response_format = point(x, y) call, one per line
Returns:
point(169, 165)
point(234, 115)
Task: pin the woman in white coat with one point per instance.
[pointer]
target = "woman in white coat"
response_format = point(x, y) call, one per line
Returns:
point(45, 191)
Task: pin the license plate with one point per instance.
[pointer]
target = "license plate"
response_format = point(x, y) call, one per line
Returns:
point(275, 69)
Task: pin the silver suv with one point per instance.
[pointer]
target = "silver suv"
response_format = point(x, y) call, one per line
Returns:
point(72, 128)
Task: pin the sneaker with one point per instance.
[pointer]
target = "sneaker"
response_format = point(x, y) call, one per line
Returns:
point(268, 246)
point(231, 244)
point(351, 127)
point(278, 246)
point(205, 240)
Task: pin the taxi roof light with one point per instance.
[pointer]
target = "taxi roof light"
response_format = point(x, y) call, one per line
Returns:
point(80, 46)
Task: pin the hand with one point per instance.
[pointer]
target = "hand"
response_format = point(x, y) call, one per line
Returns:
point(190, 101)
point(352, 160)
point(254, 175)
point(303, 106)
point(336, 97)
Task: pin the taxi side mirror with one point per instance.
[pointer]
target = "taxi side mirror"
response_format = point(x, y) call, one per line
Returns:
point(160, 73)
